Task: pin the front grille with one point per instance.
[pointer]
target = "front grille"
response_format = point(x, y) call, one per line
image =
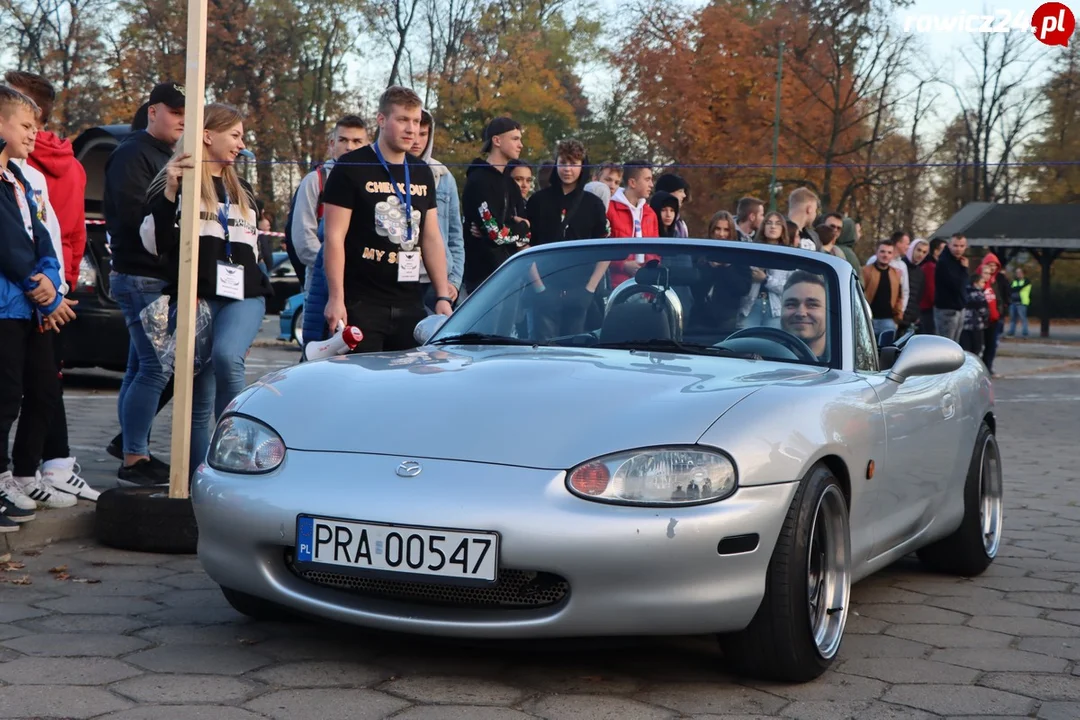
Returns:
point(515, 589)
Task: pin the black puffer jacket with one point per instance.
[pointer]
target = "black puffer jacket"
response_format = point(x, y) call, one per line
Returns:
point(916, 283)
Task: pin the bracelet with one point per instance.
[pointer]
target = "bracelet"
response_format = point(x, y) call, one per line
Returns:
point(443, 297)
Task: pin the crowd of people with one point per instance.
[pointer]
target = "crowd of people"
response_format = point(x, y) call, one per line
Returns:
point(380, 237)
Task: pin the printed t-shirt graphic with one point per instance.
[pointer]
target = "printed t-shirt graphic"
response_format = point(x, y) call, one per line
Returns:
point(377, 229)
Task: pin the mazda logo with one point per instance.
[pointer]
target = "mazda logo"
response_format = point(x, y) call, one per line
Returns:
point(409, 468)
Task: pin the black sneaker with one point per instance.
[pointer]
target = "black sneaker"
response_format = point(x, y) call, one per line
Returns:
point(115, 448)
point(13, 512)
point(160, 468)
point(141, 474)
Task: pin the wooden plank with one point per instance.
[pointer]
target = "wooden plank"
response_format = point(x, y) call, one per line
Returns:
point(187, 300)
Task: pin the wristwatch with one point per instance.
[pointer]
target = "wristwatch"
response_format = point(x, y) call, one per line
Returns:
point(443, 297)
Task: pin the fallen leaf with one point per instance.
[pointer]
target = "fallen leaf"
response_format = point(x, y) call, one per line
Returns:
point(245, 641)
point(58, 570)
point(32, 553)
point(62, 576)
point(24, 580)
point(13, 565)
point(89, 581)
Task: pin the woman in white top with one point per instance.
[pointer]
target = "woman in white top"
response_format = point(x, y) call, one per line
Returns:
point(763, 303)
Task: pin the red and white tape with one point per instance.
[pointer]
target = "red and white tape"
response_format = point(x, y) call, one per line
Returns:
point(261, 232)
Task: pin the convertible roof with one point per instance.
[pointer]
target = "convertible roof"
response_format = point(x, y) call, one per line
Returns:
point(988, 224)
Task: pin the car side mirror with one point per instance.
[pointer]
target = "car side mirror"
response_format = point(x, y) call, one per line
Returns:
point(926, 355)
point(427, 327)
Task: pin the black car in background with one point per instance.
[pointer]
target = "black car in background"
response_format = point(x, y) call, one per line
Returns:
point(98, 336)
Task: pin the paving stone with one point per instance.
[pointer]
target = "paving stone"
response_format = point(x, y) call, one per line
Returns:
point(1059, 711)
point(205, 598)
point(247, 634)
point(594, 707)
point(175, 712)
point(64, 671)
point(189, 581)
point(1067, 648)
point(93, 624)
point(1042, 687)
point(112, 556)
point(27, 594)
point(198, 659)
point(912, 614)
point(315, 648)
point(1047, 600)
point(1023, 584)
point(950, 636)
point(1001, 660)
point(1027, 627)
point(957, 700)
point(58, 701)
point(713, 698)
point(193, 616)
point(175, 689)
point(452, 690)
point(849, 710)
point(908, 670)
point(76, 645)
point(1072, 617)
point(326, 704)
point(936, 587)
point(441, 662)
point(104, 605)
point(555, 678)
point(315, 673)
point(861, 625)
point(8, 631)
point(883, 646)
point(13, 612)
point(461, 712)
point(884, 594)
point(183, 564)
point(829, 687)
point(981, 608)
point(116, 573)
point(118, 588)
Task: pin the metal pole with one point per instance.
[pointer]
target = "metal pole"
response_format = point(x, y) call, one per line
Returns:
point(776, 126)
point(190, 199)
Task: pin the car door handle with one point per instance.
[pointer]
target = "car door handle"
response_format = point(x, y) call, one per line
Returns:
point(948, 405)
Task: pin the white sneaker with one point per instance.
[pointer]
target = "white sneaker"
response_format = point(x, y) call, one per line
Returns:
point(45, 495)
point(11, 489)
point(64, 475)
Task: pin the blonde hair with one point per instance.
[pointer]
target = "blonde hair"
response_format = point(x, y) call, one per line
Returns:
point(217, 117)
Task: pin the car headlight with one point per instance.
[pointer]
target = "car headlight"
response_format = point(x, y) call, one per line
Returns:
point(657, 476)
point(243, 445)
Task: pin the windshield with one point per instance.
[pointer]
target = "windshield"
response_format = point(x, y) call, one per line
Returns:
point(648, 295)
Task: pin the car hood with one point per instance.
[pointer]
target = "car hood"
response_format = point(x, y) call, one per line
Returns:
point(523, 406)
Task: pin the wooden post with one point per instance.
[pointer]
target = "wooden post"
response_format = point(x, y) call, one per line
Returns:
point(186, 301)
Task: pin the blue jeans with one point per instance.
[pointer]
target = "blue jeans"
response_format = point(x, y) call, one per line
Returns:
point(1016, 310)
point(144, 379)
point(235, 325)
point(883, 324)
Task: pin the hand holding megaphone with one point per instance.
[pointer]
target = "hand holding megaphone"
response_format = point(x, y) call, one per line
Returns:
point(343, 341)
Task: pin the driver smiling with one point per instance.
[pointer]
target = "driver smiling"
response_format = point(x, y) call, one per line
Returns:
point(803, 310)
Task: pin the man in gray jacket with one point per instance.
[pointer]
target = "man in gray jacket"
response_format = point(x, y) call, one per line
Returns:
point(350, 133)
point(449, 211)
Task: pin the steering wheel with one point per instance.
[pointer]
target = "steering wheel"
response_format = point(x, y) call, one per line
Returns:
point(782, 337)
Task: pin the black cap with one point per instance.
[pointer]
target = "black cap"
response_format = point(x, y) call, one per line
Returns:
point(498, 126)
point(170, 93)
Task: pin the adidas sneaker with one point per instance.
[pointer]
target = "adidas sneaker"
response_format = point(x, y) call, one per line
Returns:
point(44, 494)
point(12, 492)
point(64, 475)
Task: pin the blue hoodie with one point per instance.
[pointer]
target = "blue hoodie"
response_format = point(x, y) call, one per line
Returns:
point(22, 257)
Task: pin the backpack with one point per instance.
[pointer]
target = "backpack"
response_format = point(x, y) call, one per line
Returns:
point(298, 266)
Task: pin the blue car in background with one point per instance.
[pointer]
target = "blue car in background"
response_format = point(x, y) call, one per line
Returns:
point(292, 320)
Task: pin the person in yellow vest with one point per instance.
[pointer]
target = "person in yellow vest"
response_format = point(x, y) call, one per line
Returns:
point(1020, 290)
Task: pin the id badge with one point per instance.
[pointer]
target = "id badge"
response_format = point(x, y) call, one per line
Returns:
point(408, 268)
point(230, 281)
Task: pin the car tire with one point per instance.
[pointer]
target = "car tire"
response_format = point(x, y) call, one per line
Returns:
point(975, 544)
point(146, 520)
point(796, 633)
point(256, 608)
point(297, 332)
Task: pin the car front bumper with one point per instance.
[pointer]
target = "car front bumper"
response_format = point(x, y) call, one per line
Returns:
point(630, 571)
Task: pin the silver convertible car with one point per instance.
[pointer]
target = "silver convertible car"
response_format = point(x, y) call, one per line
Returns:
point(612, 437)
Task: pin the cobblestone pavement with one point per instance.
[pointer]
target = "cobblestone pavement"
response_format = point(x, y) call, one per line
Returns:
point(153, 638)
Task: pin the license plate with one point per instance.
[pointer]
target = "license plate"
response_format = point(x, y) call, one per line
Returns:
point(453, 554)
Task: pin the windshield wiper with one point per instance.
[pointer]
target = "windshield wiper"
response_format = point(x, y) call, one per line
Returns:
point(477, 338)
point(662, 344)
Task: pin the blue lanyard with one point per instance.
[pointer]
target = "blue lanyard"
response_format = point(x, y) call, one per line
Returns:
point(405, 199)
point(223, 218)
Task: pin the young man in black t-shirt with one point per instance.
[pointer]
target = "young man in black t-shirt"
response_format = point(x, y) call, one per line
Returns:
point(372, 248)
